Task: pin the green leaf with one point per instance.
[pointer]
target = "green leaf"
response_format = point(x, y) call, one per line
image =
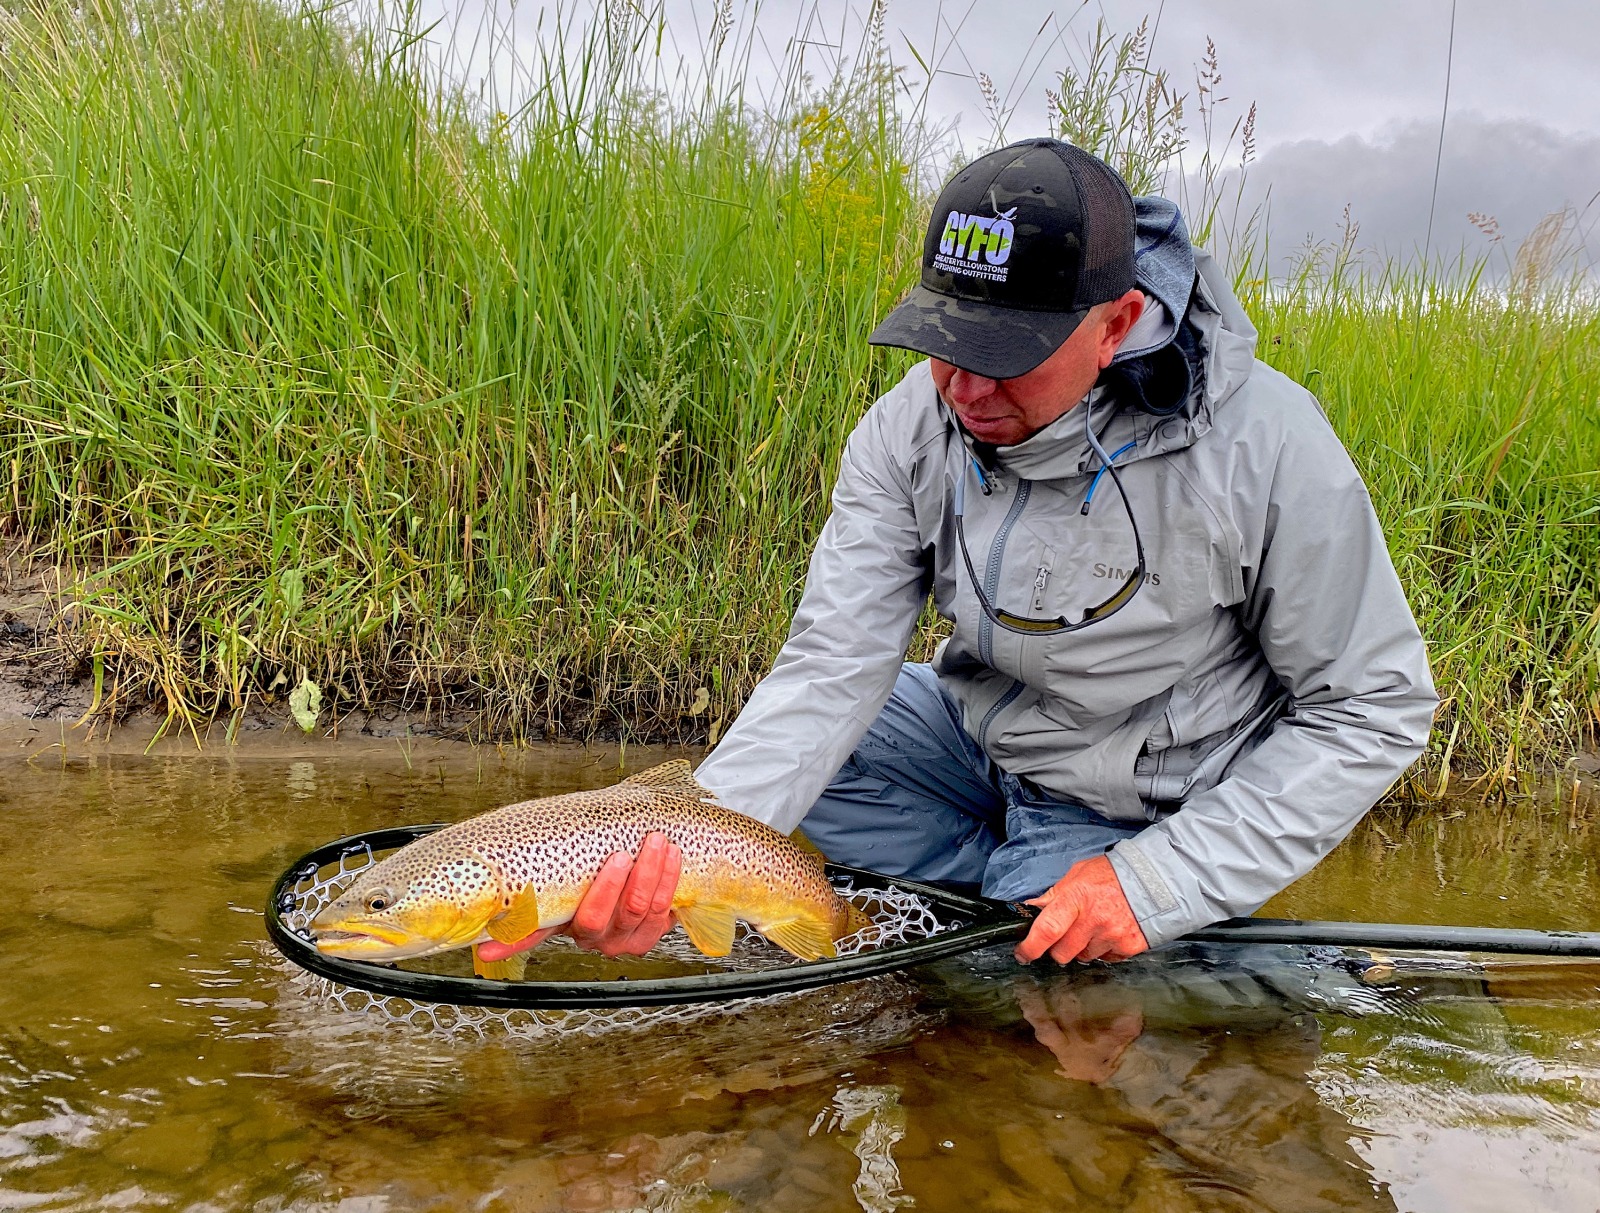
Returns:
point(292, 589)
point(305, 701)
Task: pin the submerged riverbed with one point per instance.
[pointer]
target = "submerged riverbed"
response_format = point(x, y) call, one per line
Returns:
point(155, 1052)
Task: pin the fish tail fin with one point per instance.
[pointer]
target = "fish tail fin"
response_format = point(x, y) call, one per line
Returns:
point(510, 969)
point(807, 935)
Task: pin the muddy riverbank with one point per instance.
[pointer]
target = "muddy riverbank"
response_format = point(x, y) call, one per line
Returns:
point(48, 698)
point(48, 694)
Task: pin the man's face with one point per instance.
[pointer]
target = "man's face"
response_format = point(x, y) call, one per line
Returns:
point(1004, 412)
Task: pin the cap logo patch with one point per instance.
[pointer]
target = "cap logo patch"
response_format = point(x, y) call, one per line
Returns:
point(976, 246)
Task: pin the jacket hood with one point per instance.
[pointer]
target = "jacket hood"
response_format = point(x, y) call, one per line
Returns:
point(1190, 350)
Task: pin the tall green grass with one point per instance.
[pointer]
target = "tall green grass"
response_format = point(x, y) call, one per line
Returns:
point(1475, 419)
point(310, 369)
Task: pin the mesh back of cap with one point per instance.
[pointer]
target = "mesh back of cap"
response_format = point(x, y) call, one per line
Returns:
point(1107, 270)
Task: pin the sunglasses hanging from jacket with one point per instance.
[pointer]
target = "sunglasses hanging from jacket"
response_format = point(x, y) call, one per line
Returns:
point(1031, 625)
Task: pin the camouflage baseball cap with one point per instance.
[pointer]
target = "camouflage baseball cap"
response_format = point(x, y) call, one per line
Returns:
point(1023, 242)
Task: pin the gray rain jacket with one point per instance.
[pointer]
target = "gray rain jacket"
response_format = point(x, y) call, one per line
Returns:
point(1256, 697)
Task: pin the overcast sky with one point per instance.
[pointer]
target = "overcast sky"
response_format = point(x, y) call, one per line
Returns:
point(1349, 96)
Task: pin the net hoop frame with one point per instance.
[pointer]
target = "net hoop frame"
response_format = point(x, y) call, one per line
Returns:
point(986, 922)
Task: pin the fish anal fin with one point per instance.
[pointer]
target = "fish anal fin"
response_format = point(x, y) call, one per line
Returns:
point(709, 926)
point(676, 775)
point(520, 921)
point(808, 938)
point(510, 969)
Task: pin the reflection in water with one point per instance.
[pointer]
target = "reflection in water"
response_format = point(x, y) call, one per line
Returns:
point(153, 1051)
point(874, 1115)
point(1183, 1084)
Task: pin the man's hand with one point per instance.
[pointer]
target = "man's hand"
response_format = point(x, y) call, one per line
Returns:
point(1084, 916)
point(626, 911)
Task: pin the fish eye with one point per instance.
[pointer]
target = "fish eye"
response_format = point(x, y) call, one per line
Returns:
point(379, 899)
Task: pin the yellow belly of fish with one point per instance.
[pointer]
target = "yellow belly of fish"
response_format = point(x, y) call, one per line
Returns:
point(801, 928)
point(708, 910)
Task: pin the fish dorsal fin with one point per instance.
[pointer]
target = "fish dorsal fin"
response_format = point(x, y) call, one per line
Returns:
point(709, 927)
point(807, 938)
point(518, 922)
point(674, 776)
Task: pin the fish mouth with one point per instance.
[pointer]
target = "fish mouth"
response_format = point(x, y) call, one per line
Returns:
point(334, 939)
point(379, 942)
point(359, 941)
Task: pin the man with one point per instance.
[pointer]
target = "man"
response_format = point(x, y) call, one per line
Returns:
point(1166, 696)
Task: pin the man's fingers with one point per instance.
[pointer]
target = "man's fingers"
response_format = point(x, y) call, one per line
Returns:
point(628, 906)
point(1100, 947)
point(1049, 927)
point(599, 905)
point(493, 949)
point(638, 940)
point(667, 885)
point(1073, 942)
point(640, 890)
point(647, 894)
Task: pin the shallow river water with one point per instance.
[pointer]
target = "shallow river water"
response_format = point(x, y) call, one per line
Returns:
point(154, 1051)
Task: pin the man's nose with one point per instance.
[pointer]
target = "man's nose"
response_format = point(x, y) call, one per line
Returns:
point(966, 388)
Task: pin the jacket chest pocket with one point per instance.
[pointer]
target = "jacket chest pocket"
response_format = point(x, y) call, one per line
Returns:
point(1077, 568)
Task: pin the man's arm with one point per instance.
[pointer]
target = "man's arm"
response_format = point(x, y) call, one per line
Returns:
point(838, 667)
point(1323, 599)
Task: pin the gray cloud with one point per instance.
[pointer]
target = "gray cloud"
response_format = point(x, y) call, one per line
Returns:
point(1314, 70)
point(1514, 170)
point(1321, 70)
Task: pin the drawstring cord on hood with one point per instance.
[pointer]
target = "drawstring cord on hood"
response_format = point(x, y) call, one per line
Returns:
point(1100, 453)
point(1094, 444)
point(961, 487)
point(1104, 468)
point(1030, 625)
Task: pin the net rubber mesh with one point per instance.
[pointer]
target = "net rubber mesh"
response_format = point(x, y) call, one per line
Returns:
point(897, 916)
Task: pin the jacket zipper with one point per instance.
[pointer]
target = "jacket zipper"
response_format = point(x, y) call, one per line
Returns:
point(1041, 579)
point(991, 574)
point(991, 586)
point(1000, 705)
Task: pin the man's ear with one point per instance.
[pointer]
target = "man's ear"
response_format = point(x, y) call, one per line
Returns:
point(1120, 317)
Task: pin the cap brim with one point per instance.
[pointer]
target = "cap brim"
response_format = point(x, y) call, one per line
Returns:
point(995, 342)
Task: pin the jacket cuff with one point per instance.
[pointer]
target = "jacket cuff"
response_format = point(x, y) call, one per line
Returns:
point(1155, 902)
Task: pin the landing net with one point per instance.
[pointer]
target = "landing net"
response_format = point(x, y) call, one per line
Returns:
point(673, 983)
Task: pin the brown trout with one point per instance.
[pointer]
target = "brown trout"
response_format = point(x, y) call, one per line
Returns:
point(507, 873)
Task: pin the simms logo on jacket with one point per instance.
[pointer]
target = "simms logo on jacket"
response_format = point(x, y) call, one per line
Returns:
point(966, 237)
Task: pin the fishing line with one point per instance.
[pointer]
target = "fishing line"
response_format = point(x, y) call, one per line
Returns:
point(911, 923)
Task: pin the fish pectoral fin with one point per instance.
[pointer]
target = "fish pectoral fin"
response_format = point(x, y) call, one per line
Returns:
point(520, 921)
point(510, 969)
point(676, 774)
point(709, 927)
point(807, 938)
